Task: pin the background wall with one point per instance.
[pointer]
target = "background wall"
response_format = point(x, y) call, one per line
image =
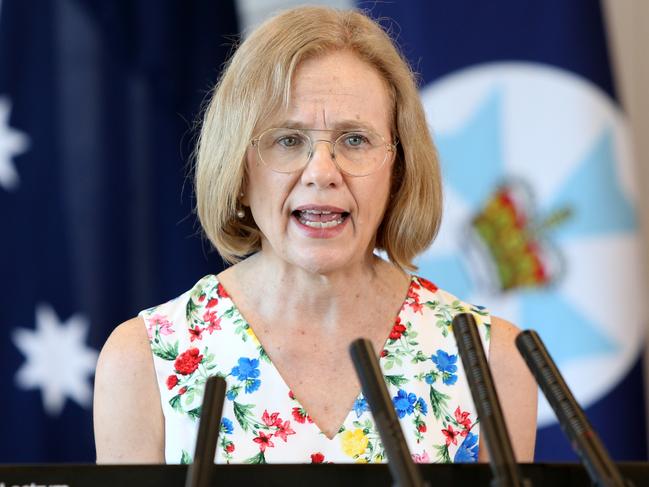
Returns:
point(628, 26)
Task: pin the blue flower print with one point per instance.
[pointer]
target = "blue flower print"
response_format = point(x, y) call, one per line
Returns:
point(248, 371)
point(421, 406)
point(446, 365)
point(226, 426)
point(360, 406)
point(468, 450)
point(404, 403)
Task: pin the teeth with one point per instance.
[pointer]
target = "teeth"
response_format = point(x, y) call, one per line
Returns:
point(329, 224)
point(316, 212)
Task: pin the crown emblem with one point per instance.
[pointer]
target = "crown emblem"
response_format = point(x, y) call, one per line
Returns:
point(508, 243)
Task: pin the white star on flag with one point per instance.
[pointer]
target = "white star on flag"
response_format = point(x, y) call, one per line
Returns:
point(57, 359)
point(12, 143)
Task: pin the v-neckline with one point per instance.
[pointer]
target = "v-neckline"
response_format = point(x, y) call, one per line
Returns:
point(288, 389)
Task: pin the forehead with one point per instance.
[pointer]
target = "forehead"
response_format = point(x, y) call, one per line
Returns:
point(336, 90)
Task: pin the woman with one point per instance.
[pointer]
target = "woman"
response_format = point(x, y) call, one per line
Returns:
point(314, 153)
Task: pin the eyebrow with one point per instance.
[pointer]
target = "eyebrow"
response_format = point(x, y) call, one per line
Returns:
point(338, 126)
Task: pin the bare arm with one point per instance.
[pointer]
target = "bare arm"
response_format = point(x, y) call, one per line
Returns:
point(129, 424)
point(516, 389)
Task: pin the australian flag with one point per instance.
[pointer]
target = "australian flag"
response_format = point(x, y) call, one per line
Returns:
point(97, 108)
point(541, 222)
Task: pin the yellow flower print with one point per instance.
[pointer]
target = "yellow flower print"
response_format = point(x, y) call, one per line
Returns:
point(354, 442)
point(252, 335)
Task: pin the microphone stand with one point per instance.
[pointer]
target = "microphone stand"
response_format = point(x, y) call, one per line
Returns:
point(573, 421)
point(200, 471)
point(403, 470)
point(501, 454)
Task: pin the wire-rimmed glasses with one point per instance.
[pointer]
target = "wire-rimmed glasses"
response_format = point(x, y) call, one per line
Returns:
point(355, 152)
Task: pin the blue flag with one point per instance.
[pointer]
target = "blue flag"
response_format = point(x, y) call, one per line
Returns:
point(540, 221)
point(97, 103)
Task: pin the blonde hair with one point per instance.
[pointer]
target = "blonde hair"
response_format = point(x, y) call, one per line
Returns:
point(256, 83)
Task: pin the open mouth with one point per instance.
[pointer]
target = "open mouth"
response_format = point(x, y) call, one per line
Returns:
point(320, 218)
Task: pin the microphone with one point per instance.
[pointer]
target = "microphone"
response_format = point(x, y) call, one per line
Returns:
point(403, 470)
point(503, 463)
point(200, 471)
point(573, 421)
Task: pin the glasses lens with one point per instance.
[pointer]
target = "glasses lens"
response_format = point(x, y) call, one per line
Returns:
point(361, 152)
point(284, 150)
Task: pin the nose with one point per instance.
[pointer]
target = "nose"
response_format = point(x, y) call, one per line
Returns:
point(321, 170)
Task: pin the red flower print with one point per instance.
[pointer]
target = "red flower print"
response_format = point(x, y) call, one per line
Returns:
point(283, 430)
point(416, 306)
point(214, 322)
point(422, 427)
point(211, 303)
point(451, 435)
point(427, 284)
point(195, 333)
point(229, 447)
point(182, 390)
point(201, 298)
point(412, 294)
point(172, 380)
point(272, 420)
point(187, 362)
point(384, 353)
point(397, 329)
point(300, 415)
point(220, 290)
point(291, 395)
point(462, 418)
point(317, 458)
point(264, 441)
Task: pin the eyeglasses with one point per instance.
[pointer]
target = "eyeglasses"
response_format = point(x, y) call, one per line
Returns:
point(355, 152)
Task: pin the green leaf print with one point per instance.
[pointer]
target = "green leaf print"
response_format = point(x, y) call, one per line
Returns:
point(396, 380)
point(258, 459)
point(194, 413)
point(442, 453)
point(174, 402)
point(185, 459)
point(263, 355)
point(439, 402)
point(243, 415)
point(190, 309)
point(165, 351)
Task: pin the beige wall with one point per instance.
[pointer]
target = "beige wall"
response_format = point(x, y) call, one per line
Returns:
point(627, 23)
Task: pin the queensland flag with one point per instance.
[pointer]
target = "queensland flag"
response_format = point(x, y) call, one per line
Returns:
point(97, 104)
point(541, 222)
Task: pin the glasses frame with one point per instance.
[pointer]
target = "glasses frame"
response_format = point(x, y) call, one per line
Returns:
point(391, 148)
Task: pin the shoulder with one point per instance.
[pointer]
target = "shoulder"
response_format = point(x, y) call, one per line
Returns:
point(129, 425)
point(126, 347)
point(515, 386)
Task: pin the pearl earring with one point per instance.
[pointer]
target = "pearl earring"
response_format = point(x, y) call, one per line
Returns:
point(241, 214)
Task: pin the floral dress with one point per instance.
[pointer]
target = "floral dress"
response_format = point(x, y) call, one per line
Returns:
point(202, 333)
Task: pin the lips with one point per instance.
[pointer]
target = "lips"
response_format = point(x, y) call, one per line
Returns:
point(320, 216)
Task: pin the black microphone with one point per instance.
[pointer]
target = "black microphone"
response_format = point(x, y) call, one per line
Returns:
point(200, 471)
point(404, 471)
point(572, 419)
point(501, 454)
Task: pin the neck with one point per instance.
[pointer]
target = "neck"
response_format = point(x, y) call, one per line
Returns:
point(301, 297)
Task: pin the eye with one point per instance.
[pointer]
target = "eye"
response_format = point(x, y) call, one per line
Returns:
point(355, 140)
point(289, 141)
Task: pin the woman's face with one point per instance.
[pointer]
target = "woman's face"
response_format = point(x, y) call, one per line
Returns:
point(335, 92)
